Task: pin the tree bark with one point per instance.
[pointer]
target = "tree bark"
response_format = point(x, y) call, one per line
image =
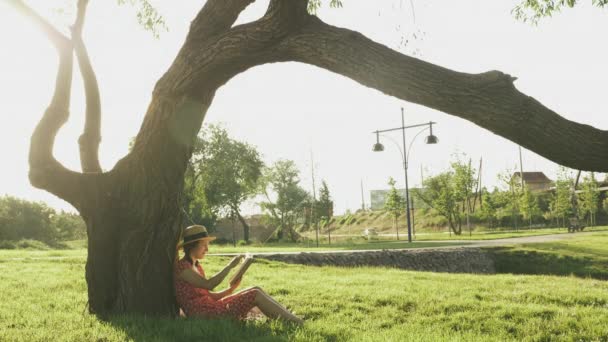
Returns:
point(245, 225)
point(132, 212)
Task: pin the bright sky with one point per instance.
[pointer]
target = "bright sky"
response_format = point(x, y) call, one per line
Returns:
point(290, 110)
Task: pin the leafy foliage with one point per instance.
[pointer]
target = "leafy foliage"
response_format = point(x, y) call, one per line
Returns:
point(588, 200)
point(451, 193)
point(21, 219)
point(281, 180)
point(534, 10)
point(147, 16)
point(528, 204)
point(314, 5)
point(221, 175)
point(561, 202)
point(439, 193)
point(395, 204)
point(488, 208)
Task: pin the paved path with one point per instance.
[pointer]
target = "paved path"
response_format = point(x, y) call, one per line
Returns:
point(457, 244)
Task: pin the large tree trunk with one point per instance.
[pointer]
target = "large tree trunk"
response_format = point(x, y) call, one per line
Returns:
point(132, 212)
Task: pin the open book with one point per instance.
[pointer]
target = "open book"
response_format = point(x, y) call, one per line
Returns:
point(247, 261)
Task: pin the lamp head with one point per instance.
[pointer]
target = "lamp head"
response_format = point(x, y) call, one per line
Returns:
point(431, 139)
point(378, 147)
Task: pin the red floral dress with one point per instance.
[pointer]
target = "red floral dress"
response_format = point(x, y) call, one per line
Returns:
point(196, 301)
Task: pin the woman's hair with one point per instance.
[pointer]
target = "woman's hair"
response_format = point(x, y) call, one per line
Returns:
point(189, 247)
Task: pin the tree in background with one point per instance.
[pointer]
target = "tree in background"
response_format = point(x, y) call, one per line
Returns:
point(69, 226)
point(488, 208)
point(325, 207)
point(528, 205)
point(464, 183)
point(21, 219)
point(281, 181)
point(394, 204)
point(194, 199)
point(224, 174)
point(439, 194)
point(509, 199)
point(561, 202)
point(588, 199)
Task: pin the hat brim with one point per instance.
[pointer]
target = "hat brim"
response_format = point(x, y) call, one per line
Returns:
point(207, 238)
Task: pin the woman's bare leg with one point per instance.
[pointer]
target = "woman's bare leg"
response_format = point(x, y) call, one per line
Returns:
point(272, 308)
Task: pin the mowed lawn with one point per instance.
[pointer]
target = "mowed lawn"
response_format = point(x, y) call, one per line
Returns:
point(43, 298)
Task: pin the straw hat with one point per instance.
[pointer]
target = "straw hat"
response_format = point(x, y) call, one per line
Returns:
point(195, 233)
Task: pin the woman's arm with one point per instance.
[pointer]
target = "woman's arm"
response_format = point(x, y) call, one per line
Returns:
point(221, 275)
point(193, 278)
point(197, 280)
point(224, 293)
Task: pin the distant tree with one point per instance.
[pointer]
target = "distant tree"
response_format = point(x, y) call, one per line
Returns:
point(439, 194)
point(21, 219)
point(281, 182)
point(325, 207)
point(510, 198)
point(394, 204)
point(488, 208)
point(464, 183)
point(561, 202)
point(528, 205)
point(69, 226)
point(224, 173)
point(588, 200)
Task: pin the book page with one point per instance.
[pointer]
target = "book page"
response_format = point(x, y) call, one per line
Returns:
point(247, 261)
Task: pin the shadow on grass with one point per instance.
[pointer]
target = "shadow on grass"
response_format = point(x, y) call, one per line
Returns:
point(521, 261)
point(141, 328)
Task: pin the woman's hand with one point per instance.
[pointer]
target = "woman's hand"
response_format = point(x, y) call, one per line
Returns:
point(235, 261)
point(235, 284)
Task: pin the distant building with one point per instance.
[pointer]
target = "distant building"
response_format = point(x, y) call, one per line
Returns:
point(378, 198)
point(536, 181)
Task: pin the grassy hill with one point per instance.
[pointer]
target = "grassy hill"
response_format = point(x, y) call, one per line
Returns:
point(355, 223)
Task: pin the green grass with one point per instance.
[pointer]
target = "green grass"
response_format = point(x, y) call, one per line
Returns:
point(44, 299)
point(583, 255)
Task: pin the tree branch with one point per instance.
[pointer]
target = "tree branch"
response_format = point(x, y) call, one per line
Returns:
point(45, 171)
point(216, 17)
point(489, 100)
point(91, 137)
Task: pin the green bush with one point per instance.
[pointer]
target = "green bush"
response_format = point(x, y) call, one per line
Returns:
point(4, 244)
point(31, 244)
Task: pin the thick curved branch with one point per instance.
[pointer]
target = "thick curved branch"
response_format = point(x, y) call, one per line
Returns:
point(91, 137)
point(489, 100)
point(217, 16)
point(45, 171)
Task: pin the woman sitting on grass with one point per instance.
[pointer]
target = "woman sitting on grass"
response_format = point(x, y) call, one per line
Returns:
point(193, 288)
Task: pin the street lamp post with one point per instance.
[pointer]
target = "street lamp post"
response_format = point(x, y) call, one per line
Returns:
point(378, 147)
